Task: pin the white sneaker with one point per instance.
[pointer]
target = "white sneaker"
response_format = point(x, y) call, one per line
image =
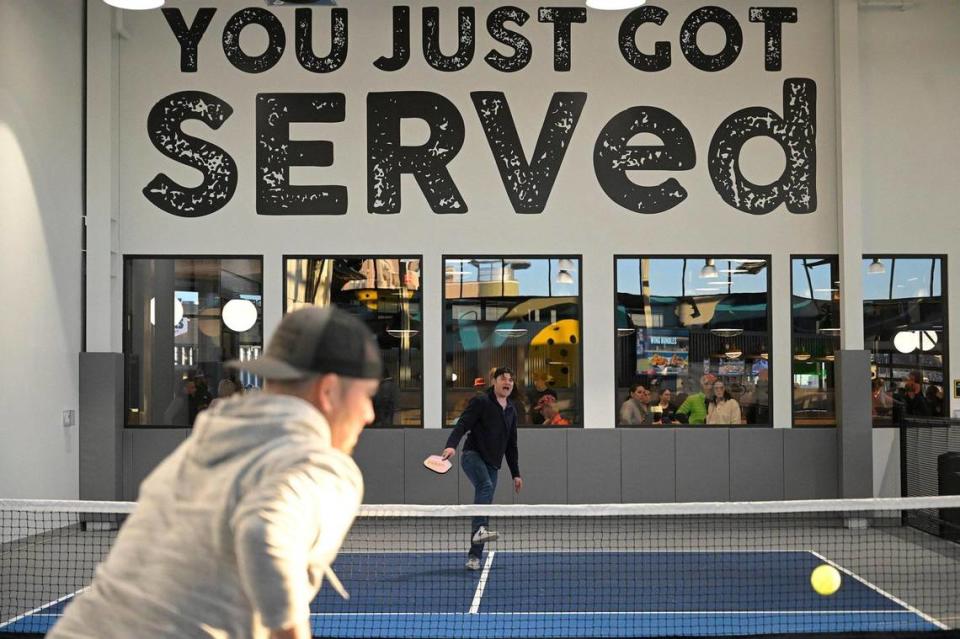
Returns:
point(483, 535)
point(473, 563)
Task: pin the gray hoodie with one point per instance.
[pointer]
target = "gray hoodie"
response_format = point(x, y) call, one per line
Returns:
point(232, 533)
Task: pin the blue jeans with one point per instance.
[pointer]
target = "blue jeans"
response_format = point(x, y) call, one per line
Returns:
point(483, 476)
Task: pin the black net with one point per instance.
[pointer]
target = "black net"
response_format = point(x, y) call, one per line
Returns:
point(572, 571)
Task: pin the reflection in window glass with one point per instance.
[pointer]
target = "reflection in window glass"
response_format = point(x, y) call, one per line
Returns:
point(523, 313)
point(385, 294)
point(692, 337)
point(904, 330)
point(815, 309)
point(183, 319)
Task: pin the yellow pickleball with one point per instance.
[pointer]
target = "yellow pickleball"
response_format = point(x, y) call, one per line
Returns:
point(825, 579)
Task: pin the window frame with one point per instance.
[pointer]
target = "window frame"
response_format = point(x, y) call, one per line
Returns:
point(944, 283)
point(378, 256)
point(770, 311)
point(125, 344)
point(793, 336)
point(445, 339)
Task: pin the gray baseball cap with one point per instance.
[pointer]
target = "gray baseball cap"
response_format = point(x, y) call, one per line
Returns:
point(314, 341)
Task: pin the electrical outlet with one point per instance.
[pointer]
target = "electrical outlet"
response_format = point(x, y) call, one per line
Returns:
point(69, 418)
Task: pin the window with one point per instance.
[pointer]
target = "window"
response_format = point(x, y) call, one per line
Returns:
point(184, 317)
point(521, 312)
point(687, 327)
point(815, 316)
point(384, 292)
point(904, 329)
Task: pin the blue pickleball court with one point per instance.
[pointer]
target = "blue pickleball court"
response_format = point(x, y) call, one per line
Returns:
point(585, 594)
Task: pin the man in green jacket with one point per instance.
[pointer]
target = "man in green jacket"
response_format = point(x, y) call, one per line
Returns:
point(695, 406)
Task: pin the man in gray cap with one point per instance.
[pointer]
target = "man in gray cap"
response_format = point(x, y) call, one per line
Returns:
point(234, 532)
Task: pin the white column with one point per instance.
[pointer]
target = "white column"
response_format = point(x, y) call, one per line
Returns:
point(104, 263)
point(849, 148)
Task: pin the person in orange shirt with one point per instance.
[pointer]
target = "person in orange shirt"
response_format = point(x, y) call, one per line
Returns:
point(551, 414)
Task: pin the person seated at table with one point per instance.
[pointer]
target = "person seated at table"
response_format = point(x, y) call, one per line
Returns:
point(721, 408)
point(550, 412)
point(663, 410)
point(635, 411)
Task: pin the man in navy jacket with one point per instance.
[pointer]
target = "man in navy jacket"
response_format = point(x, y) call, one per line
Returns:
point(490, 422)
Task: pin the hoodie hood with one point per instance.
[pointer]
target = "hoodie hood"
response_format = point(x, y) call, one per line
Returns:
point(235, 426)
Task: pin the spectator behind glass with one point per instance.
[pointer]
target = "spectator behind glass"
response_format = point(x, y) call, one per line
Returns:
point(663, 410)
point(693, 410)
point(880, 400)
point(635, 410)
point(910, 396)
point(540, 388)
point(551, 414)
point(721, 408)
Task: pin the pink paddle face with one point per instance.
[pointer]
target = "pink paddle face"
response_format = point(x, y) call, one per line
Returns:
point(437, 464)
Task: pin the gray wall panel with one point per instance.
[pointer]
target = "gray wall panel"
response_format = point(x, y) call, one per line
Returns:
point(648, 465)
point(593, 466)
point(810, 463)
point(756, 464)
point(421, 486)
point(379, 454)
point(543, 465)
point(101, 426)
point(703, 464)
point(854, 424)
point(144, 449)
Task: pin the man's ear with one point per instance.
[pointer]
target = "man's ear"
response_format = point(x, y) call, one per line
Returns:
point(325, 393)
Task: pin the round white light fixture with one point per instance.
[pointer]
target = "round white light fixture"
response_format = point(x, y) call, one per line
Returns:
point(565, 264)
point(239, 315)
point(709, 271)
point(136, 5)
point(876, 267)
point(615, 5)
point(563, 277)
point(177, 311)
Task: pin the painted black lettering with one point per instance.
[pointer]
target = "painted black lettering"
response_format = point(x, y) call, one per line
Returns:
point(218, 168)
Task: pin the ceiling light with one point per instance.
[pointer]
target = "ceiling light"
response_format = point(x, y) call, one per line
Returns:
point(615, 5)
point(829, 331)
point(566, 264)
point(564, 277)
point(748, 260)
point(709, 271)
point(726, 332)
point(402, 332)
point(239, 315)
point(733, 270)
point(801, 356)
point(733, 354)
point(876, 268)
point(136, 5)
point(624, 332)
point(511, 332)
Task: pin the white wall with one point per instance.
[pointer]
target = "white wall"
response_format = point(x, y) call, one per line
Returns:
point(911, 152)
point(40, 219)
point(579, 217)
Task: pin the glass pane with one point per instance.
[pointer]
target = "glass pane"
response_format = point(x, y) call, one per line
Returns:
point(905, 332)
point(184, 318)
point(384, 292)
point(523, 313)
point(692, 339)
point(815, 315)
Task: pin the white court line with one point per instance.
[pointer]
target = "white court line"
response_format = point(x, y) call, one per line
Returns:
point(628, 612)
point(43, 607)
point(475, 604)
point(883, 592)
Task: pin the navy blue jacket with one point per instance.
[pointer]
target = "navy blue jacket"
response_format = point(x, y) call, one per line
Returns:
point(491, 431)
